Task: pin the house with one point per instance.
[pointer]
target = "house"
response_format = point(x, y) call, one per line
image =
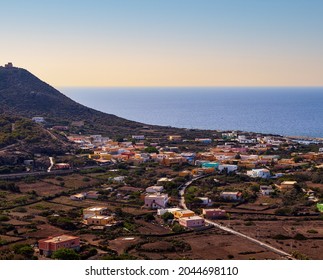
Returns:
point(94, 211)
point(259, 173)
point(190, 157)
point(168, 161)
point(92, 195)
point(154, 189)
point(192, 221)
point(156, 201)
point(205, 200)
point(161, 212)
point(53, 243)
point(202, 171)
point(266, 190)
point(119, 179)
point(174, 138)
point(163, 181)
point(183, 213)
point(215, 213)
point(61, 166)
point(203, 140)
point(228, 167)
point(78, 196)
point(100, 220)
point(231, 196)
point(38, 119)
point(138, 137)
point(210, 165)
point(286, 185)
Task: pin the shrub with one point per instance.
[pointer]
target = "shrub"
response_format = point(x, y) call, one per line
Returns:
point(65, 254)
point(24, 250)
point(4, 218)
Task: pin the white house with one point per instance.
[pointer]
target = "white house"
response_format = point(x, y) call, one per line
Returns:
point(161, 212)
point(266, 190)
point(205, 200)
point(156, 201)
point(232, 196)
point(259, 173)
point(228, 167)
point(38, 119)
point(138, 137)
point(154, 189)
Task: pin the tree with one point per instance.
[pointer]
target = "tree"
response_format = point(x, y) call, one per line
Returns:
point(24, 250)
point(65, 254)
point(177, 228)
point(167, 216)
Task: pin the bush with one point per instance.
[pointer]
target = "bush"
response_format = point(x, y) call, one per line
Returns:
point(299, 236)
point(65, 254)
point(312, 231)
point(167, 216)
point(4, 218)
point(177, 228)
point(149, 217)
point(24, 250)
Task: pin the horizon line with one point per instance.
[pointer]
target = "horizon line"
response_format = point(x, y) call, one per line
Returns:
point(184, 86)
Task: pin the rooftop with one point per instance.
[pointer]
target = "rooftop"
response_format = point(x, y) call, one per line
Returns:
point(192, 218)
point(60, 238)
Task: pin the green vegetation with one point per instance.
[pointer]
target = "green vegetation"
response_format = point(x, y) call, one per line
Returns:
point(23, 249)
point(65, 254)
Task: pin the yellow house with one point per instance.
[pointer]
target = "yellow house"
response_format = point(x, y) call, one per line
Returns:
point(286, 185)
point(174, 138)
point(105, 156)
point(183, 213)
point(100, 220)
point(94, 156)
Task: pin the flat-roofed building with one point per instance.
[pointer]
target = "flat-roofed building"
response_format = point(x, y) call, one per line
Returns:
point(53, 243)
point(183, 213)
point(215, 213)
point(192, 221)
point(156, 201)
point(93, 211)
point(100, 220)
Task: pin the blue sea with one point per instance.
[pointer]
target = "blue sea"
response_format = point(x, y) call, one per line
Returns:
point(283, 111)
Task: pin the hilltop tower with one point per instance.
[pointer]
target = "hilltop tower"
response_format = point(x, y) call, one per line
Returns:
point(8, 65)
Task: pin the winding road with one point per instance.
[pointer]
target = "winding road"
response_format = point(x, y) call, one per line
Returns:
point(230, 230)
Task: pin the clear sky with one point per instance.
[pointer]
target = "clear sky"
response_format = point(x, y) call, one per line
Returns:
point(165, 42)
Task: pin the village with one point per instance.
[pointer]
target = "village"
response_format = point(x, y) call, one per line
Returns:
point(241, 195)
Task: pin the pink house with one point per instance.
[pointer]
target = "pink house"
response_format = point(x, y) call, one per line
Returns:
point(53, 243)
point(216, 213)
point(192, 222)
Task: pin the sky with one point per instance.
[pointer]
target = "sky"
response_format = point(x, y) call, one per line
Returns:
point(165, 43)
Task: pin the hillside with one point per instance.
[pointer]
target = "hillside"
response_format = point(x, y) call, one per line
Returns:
point(20, 137)
point(21, 93)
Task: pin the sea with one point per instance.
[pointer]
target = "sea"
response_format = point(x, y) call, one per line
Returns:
point(282, 111)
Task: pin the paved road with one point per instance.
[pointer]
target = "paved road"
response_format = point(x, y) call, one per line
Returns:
point(230, 230)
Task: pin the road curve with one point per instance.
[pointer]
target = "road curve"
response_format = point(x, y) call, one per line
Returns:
point(230, 230)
